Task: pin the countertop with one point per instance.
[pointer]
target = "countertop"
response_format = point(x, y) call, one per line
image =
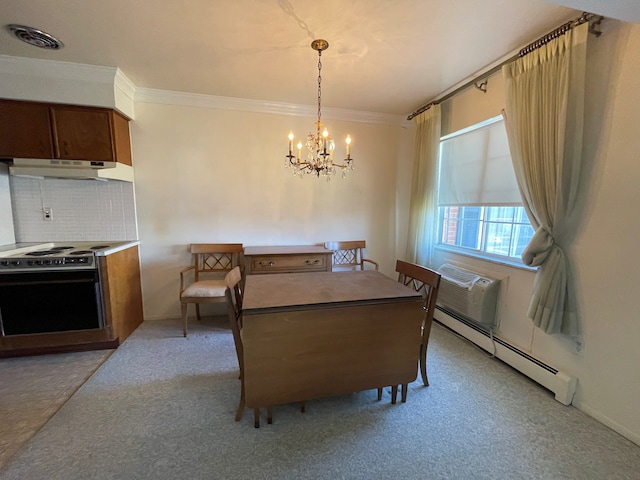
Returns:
point(110, 246)
point(115, 247)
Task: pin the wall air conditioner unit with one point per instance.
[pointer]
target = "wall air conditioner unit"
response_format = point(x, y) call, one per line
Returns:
point(468, 294)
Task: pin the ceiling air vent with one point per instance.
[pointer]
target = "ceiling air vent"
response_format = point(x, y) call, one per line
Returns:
point(35, 37)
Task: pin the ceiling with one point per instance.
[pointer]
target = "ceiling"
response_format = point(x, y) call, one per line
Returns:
point(385, 56)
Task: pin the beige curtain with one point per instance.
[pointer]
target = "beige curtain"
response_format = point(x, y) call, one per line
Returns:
point(544, 118)
point(422, 210)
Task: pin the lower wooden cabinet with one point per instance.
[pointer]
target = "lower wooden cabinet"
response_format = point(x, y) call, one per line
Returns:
point(121, 291)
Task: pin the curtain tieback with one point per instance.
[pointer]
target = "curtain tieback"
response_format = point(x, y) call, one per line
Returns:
point(539, 248)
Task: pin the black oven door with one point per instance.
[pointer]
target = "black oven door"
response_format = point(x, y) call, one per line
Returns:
point(50, 301)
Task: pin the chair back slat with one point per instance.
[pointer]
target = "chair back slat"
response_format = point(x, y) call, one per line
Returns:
point(348, 255)
point(215, 257)
point(422, 280)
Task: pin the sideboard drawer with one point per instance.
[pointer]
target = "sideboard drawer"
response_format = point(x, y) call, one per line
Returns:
point(287, 259)
point(289, 263)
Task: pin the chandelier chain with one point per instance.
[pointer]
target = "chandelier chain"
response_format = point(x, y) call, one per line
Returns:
point(319, 89)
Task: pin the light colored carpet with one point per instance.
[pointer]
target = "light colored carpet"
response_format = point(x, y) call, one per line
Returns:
point(32, 389)
point(162, 407)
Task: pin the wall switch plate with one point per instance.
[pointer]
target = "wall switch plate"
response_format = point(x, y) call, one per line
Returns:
point(47, 213)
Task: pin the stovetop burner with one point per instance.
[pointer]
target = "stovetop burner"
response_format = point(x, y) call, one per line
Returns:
point(51, 256)
point(50, 251)
point(42, 253)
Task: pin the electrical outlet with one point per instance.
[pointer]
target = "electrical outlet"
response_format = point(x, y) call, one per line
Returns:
point(578, 346)
point(47, 214)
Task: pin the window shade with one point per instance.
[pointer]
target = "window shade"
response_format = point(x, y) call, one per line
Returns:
point(476, 168)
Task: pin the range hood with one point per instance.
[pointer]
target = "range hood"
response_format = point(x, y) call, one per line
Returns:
point(78, 169)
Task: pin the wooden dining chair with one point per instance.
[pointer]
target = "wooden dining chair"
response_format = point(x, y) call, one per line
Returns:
point(233, 296)
point(349, 255)
point(427, 282)
point(211, 262)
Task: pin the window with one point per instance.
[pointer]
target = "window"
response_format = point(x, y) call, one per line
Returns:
point(479, 204)
point(503, 231)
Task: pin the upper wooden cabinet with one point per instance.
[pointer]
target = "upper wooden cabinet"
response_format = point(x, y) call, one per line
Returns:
point(25, 130)
point(41, 130)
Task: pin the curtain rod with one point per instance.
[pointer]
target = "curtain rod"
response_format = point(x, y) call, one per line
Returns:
point(561, 30)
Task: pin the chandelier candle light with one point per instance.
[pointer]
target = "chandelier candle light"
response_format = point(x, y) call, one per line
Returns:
point(319, 147)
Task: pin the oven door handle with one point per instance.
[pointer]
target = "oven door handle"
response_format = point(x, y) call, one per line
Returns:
point(47, 282)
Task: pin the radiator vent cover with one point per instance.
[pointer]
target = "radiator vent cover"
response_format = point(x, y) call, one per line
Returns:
point(469, 294)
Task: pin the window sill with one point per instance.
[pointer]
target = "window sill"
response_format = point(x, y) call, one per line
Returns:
point(486, 258)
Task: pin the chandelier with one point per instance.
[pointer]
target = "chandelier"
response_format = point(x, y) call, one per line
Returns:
point(319, 147)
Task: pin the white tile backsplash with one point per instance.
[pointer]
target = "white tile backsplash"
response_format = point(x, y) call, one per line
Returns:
point(83, 210)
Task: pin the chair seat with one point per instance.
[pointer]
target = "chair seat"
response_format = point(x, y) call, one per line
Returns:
point(205, 289)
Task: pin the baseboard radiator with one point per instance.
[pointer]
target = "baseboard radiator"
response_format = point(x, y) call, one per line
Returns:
point(453, 313)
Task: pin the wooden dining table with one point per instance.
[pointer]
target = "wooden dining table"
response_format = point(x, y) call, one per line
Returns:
point(310, 335)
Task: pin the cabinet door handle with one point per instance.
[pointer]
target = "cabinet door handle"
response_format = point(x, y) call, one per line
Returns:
point(266, 264)
point(315, 262)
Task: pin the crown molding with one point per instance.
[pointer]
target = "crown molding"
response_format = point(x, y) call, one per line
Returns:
point(54, 69)
point(168, 97)
point(123, 93)
point(124, 85)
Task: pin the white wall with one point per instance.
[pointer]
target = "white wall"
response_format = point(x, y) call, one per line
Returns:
point(7, 233)
point(605, 237)
point(604, 253)
point(211, 175)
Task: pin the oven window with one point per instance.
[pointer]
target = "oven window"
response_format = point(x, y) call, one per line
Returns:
point(46, 303)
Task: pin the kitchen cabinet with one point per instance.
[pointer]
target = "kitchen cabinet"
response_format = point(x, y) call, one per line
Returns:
point(25, 130)
point(66, 132)
point(121, 291)
point(85, 133)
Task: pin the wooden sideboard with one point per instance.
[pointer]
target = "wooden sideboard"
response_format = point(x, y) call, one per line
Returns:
point(287, 259)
